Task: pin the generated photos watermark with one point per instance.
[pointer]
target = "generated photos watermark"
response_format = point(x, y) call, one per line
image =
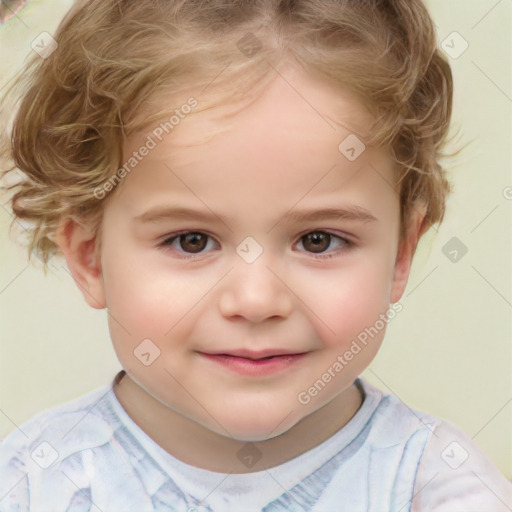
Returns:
point(152, 140)
point(343, 360)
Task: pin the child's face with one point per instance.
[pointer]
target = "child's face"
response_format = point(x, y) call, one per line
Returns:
point(275, 160)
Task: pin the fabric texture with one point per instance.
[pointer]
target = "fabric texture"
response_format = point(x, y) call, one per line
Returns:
point(89, 455)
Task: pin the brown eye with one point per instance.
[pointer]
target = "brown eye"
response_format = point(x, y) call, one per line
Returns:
point(316, 241)
point(189, 245)
point(193, 241)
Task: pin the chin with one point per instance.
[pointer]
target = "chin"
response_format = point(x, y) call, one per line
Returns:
point(254, 436)
point(255, 428)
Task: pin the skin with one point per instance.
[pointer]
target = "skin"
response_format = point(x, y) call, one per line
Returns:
point(278, 155)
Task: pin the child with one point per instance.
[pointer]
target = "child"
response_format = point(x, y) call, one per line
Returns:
point(242, 184)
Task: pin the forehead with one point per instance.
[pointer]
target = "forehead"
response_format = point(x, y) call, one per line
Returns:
point(273, 144)
point(303, 105)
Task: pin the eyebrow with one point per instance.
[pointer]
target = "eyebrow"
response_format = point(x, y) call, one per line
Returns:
point(350, 213)
point(353, 213)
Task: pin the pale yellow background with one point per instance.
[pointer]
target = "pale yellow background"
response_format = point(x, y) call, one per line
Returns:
point(448, 352)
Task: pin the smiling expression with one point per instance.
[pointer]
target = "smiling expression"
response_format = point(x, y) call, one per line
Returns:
point(250, 260)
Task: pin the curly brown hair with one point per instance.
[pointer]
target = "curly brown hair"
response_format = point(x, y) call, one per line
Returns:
point(74, 109)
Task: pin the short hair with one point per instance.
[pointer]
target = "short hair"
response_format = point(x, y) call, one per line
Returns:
point(74, 109)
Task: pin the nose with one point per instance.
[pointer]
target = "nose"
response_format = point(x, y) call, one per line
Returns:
point(256, 293)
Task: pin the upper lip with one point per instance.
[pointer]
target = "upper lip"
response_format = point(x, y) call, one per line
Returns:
point(253, 354)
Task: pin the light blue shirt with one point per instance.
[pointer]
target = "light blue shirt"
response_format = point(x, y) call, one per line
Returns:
point(89, 455)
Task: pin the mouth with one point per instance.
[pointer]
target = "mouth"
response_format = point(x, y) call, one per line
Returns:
point(255, 363)
point(254, 355)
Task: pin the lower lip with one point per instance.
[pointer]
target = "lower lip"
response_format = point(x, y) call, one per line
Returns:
point(255, 367)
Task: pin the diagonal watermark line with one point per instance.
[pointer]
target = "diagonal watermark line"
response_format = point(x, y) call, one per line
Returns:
point(14, 13)
point(286, 491)
point(9, 211)
point(87, 412)
point(301, 198)
point(486, 217)
point(14, 278)
point(393, 187)
point(98, 302)
point(199, 403)
point(492, 81)
point(501, 409)
point(426, 277)
point(383, 179)
point(199, 300)
point(116, 320)
point(7, 83)
point(486, 14)
point(491, 285)
point(300, 299)
point(268, 471)
point(411, 410)
point(215, 78)
point(277, 426)
point(486, 485)
point(13, 422)
point(323, 118)
point(81, 490)
point(419, 491)
point(203, 500)
point(175, 175)
point(15, 485)
point(4, 208)
point(82, 288)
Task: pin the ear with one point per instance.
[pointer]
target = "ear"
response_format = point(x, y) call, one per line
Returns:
point(80, 247)
point(417, 225)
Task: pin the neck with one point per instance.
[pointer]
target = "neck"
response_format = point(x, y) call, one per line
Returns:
point(198, 446)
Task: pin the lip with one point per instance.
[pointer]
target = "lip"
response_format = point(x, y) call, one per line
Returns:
point(254, 354)
point(255, 363)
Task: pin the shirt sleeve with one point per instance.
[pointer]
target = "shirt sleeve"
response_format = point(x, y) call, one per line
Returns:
point(14, 485)
point(454, 475)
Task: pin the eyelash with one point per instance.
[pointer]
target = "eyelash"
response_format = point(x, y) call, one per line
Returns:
point(346, 245)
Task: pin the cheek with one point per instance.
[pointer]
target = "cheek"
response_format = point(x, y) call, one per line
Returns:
point(148, 305)
point(347, 301)
point(143, 293)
